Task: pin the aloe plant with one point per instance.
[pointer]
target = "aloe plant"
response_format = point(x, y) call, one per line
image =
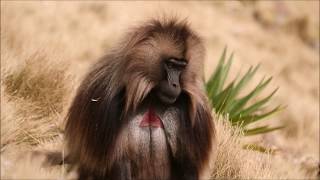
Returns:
point(238, 110)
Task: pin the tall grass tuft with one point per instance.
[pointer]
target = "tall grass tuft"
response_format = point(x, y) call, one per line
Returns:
point(38, 86)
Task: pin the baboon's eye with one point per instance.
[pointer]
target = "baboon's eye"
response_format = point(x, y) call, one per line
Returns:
point(175, 64)
point(169, 64)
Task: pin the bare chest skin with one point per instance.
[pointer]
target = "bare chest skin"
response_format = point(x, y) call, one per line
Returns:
point(152, 146)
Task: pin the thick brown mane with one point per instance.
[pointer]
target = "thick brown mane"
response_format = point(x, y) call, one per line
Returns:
point(121, 80)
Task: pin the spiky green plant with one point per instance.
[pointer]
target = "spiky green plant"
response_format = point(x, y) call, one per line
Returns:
point(238, 110)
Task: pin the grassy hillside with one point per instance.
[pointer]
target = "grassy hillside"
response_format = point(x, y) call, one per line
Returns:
point(46, 47)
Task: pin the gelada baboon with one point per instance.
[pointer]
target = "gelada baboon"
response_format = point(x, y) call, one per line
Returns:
point(141, 112)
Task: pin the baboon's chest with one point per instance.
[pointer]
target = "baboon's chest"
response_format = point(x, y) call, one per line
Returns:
point(152, 139)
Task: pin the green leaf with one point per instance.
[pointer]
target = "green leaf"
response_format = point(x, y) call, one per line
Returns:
point(260, 130)
point(245, 120)
point(246, 78)
point(221, 98)
point(243, 101)
point(256, 147)
point(224, 73)
point(214, 81)
point(253, 108)
point(239, 86)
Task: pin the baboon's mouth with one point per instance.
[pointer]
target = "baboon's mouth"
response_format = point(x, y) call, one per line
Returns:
point(167, 98)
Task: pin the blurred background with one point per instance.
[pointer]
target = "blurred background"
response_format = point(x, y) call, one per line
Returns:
point(283, 36)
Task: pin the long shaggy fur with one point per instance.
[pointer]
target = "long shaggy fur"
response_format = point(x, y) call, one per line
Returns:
point(117, 85)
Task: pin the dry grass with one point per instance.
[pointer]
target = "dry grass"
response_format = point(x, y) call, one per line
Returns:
point(33, 99)
point(46, 47)
point(235, 162)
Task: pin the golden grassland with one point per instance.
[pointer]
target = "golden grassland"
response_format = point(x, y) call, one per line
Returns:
point(46, 47)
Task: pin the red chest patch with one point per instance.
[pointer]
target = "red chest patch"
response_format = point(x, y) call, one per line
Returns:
point(150, 118)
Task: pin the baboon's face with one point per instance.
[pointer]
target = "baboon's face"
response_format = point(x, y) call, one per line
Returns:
point(160, 60)
point(169, 87)
point(169, 60)
point(167, 65)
